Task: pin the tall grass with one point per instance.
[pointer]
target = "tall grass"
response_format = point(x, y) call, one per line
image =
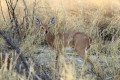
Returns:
point(88, 16)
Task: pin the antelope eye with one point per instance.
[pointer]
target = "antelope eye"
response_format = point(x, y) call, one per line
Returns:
point(48, 27)
point(42, 27)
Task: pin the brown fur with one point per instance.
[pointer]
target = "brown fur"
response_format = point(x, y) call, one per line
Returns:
point(77, 40)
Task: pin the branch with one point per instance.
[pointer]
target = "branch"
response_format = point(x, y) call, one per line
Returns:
point(26, 14)
point(10, 43)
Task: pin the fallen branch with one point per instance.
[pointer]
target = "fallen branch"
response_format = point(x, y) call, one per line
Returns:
point(10, 43)
point(21, 56)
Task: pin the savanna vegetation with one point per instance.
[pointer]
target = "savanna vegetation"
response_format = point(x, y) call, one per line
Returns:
point(25, 55)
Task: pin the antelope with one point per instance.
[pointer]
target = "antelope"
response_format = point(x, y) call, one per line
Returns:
point(77, 40)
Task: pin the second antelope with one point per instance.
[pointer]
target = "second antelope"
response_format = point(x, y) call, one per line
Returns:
point(77, 40)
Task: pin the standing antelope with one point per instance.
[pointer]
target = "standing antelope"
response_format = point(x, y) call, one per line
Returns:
point(77, 40)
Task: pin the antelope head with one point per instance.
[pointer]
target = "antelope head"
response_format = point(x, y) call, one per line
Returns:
point(45, 27)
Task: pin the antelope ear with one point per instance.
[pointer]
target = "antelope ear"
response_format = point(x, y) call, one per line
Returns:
point(38, 22)
point(52, 20)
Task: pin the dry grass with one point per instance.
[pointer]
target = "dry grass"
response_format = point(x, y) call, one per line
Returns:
point(86, 16)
